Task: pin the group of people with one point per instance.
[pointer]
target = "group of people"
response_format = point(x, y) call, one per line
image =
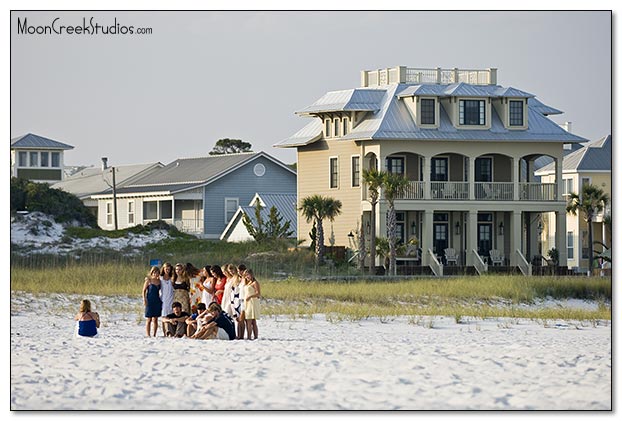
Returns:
point(212, 302)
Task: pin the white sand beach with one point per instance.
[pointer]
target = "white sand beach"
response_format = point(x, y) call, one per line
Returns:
point(426, 363)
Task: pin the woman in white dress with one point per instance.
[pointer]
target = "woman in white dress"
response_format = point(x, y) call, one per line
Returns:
point(166, 290)
point(207, 295)
point(227, 306)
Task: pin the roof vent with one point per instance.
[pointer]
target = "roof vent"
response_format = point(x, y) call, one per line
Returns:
point(104, 163)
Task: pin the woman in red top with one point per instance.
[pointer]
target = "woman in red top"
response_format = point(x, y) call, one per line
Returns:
point(221, 280)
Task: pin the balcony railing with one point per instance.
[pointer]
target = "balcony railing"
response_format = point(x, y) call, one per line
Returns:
point(449, 190)
point(494, 191)
point(538, 191)
point(402, 74)
point(459, 190)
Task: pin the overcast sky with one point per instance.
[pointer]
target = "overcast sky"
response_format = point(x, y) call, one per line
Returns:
point(202, 76)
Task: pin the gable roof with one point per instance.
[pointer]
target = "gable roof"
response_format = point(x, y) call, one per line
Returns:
point(285, 204)
point(593, 156)
point(33, 141)
point(364, 99)
point(89, 181)
point(393, 120)
point(189, 173)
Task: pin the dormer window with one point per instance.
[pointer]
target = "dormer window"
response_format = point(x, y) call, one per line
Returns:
point(472, 112)
point(516, 113)
point(428, 111)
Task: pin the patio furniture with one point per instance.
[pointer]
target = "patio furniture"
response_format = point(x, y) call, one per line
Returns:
point(451, 257)
point(496, 257)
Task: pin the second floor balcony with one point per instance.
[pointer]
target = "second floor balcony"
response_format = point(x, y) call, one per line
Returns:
point(459, 190)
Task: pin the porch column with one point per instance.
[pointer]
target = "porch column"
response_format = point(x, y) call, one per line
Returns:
point(471, 178)
point(516, 177)
point(559, 161)
point(427, 234)
point(515, 239)
point(561, 237)
point(471, 238)
point(427, 167)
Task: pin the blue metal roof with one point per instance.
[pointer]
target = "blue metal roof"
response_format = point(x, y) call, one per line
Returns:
point(594, 156)
point(393, 120)
point(33, 141)
point(363, 99)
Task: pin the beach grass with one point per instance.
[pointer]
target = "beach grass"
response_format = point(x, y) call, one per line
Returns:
point(459, 297)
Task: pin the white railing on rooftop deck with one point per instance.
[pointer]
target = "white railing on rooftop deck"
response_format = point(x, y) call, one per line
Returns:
point(402, 74)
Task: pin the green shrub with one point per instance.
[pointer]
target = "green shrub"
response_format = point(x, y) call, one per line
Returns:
point(39, 197)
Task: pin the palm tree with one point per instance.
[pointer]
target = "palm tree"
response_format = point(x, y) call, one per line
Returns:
point(394, 186)
point(374, 180)
point(591, 201)
point(317, 208)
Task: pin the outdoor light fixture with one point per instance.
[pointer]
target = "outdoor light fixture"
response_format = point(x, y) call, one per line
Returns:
point(368, 228)
point(501, 228)
point(540, 228)
point(413, 228)
point(351, 236)
point(457, 228)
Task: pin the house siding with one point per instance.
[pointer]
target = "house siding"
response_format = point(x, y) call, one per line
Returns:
point(242, 184)
point(313, 168)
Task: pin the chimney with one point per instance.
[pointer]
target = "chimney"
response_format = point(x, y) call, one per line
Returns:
point(567, 126)
point(104, 163)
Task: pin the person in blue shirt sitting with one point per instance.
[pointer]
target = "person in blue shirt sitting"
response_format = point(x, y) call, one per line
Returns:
point(88, 321)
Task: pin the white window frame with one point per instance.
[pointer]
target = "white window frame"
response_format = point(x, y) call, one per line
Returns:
point(109, 213)
point(486, 118)
point(52, 154)
point(336, 127)
point(30, 155)
point(330, 173)
point(237, 205)
point(568, 186)
point(570, 245)
point(516, 126)
point(131, 212)
point(47, 154)
point(22, 163)
point(352, 171)
point(345, 129)
point(328, 127)
point(420, 112)
point(582, 183)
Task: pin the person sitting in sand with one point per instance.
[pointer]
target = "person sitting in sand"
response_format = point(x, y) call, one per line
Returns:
point(218, 325)
point(195, 321)
point(174, 323)
point(88, 321)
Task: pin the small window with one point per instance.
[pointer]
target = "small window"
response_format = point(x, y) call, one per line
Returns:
point(345, 126)
point(231, 206)
point(585, 181)
point(441, 217)
point(150, 211)
point(472, 112)
point(568, 186)
point(34, 159)
point(45, 159)
point(395, 165)
point(516, 113)
point(22, 159)
point(55, 159)
point(130, 212)
point(166, 209)
point(484, 217)
point(336, 126)
point(356, 171)
point(259, 170)
point(327, 128)
point(334, 174)
point(585, 249)
point(570, 242)
point(428, 108)
point(109, 214)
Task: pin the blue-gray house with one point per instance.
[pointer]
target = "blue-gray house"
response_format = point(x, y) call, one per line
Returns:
point(197, 195)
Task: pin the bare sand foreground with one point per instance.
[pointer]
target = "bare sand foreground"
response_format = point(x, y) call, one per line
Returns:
point(427, 363)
